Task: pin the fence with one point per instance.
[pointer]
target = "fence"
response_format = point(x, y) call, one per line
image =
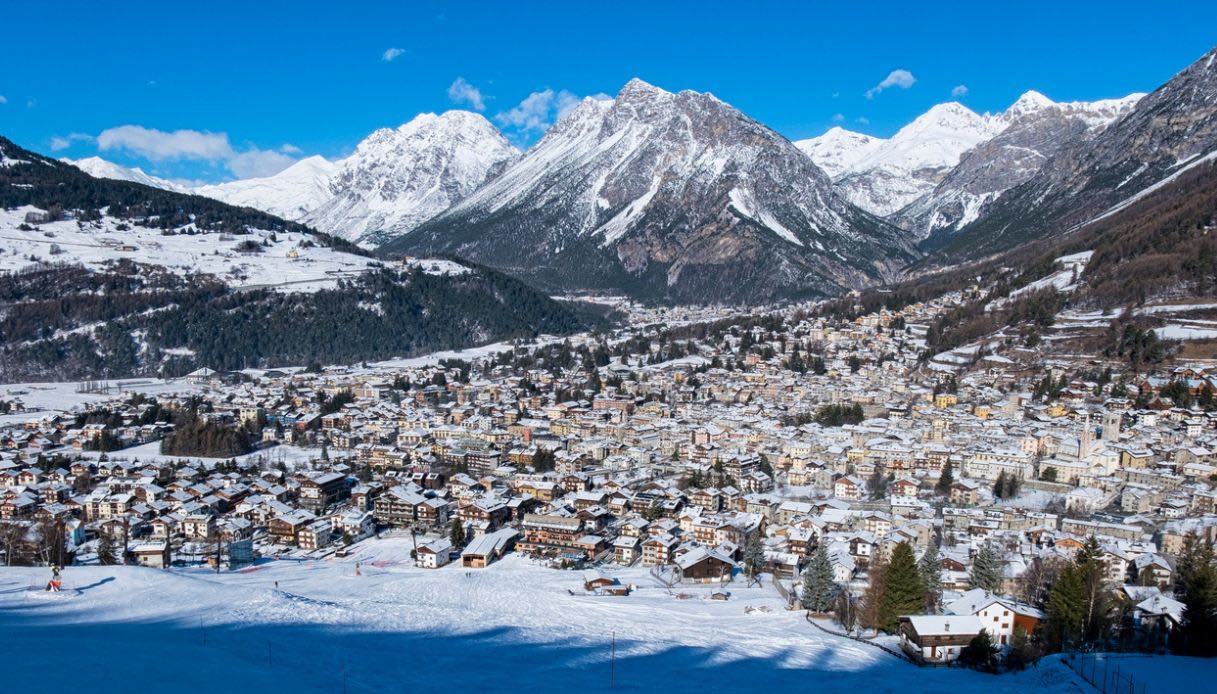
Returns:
point(1104, 675)
point(899, 654)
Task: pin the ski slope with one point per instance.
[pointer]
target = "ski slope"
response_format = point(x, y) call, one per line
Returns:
point(315, 625)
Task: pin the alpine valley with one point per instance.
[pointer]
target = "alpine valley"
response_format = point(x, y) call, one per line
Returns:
point(662, 197)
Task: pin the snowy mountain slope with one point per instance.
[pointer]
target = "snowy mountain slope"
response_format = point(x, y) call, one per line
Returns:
point(838, 151)
point(101, 168)
point(398, 178)
point(886, 176)
point(1168, 129)
point(896, 171)
point(1034, 128)
point(672, 196)
point(291, 193)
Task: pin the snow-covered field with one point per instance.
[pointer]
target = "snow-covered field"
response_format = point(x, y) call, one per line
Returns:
point(97, 244)
point(299, 625)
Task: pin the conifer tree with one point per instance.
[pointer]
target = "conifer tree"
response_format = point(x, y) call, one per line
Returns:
point(930, 568)
point(457, 534)
point(945, 480)
point(980, 653)
point(903, 592)
point(1199, 627)
point(818, 586)
point(105, 550)
point(754, 555)
point(986, 570)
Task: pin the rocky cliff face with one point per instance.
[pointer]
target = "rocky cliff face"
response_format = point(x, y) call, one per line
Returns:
point(1167, 132)
point(667, 196)
point(399, 178)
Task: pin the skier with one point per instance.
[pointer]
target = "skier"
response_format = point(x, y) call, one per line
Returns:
point(55, 583)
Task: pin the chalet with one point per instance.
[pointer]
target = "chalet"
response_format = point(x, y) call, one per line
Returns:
point(999, 616)
point(151, 554)
point(434, 554)
point(487, 548)
point(701, 565)
point(937, 638)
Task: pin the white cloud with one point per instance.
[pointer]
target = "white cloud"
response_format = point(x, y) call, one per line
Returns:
point(838, 117)
point(959, 90)
point(159, 145)
point(256, 163)
point(896, 78)
point(863, 120)
point(60, 142)
point(392, 54)
point(538, 110)
point(289, 148)
point(3, 100)
point(461, 92)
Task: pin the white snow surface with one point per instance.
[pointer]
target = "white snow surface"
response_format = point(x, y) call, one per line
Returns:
point(317, 625)
point(101, 168)
point(291, 194)
point(883, 176)
point(399, 178)
point(95, 245)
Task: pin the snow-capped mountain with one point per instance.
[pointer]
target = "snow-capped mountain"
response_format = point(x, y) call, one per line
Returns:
point(1166, 133)
point(1034, 128)
point(291, 194)
point(838, 151)
point(101, 168)
point(399, 178)
point(882, 176)
point(675, 196)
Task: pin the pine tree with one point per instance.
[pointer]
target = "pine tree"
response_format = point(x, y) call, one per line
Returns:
point(986, 570)
point(980, 653)
point(1196, 633)
point(903, 591)
point(1023, 651)
point(818, 586)
point(457, 534)
point(754, 555)
point(999, 487)
point(1064, 614)
point(105, 550)
point(945, 480)
point(930, 568)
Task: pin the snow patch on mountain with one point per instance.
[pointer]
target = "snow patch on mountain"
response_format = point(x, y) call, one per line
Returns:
point(101, 168)
point(290, 194)
point(399, 178)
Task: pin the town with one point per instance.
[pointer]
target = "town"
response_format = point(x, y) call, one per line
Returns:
point(949, 502)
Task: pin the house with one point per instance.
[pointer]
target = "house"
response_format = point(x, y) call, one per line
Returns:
point(434, 554)
point(626, 550)
point(486, 548)
point(701, 565)
point(151, 554)
point(937, 638)
point(1000, 616)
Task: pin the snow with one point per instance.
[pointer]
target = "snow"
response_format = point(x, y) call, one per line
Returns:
point(315, 625)
point(183, 254)
point(1186, 331)
point(1182, 168)
point(399, 178)
point(100, 168)
point(742, 202)
point(290, 194)
point(838, 150)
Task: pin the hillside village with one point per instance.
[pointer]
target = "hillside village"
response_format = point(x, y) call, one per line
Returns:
point(713, 447)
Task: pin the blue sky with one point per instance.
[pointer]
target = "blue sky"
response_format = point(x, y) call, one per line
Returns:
point(223, 89)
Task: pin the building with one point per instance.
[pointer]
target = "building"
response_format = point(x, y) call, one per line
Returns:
point(937, 638)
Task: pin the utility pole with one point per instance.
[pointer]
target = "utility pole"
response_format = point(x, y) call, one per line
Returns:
point(613, 663)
